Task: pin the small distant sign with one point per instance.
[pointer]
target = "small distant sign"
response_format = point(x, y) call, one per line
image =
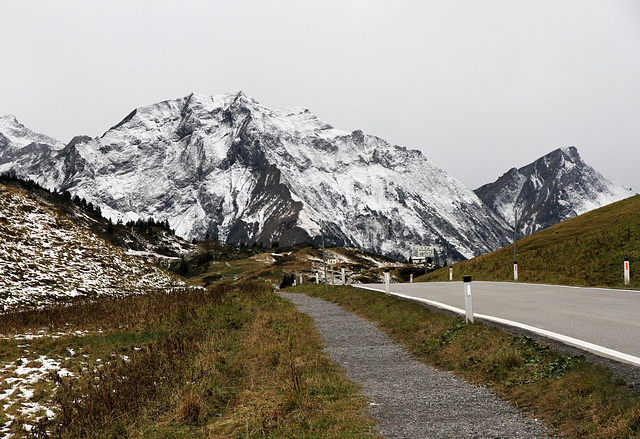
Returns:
point(426, 251)
point(332, 261)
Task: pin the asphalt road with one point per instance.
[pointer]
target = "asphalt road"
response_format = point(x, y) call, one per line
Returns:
point(603, 321)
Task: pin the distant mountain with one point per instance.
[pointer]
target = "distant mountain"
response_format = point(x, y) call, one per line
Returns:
point(231, 168)
point(47, 258)
point(552, 189)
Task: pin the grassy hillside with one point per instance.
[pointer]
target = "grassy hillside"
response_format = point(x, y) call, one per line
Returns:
point(45, 258)
point(153, 241)
point(587, 250)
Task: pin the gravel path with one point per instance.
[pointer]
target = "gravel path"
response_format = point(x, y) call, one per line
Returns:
point(408, 398)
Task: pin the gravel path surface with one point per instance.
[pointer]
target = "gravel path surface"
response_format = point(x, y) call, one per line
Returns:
point(408, 398)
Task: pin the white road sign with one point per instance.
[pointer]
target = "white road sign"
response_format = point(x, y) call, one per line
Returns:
point(426, 250)
point(332, 261)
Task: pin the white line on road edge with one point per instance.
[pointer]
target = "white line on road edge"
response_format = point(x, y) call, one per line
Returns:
point(553, 335)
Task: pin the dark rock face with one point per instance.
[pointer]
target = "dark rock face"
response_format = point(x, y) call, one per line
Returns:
point(552, 189)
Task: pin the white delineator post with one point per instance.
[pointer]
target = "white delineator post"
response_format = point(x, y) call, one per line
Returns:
point(300, 279)
point(468, 300)
point(344, 281)
point(450, 273)
point(387, 281)
point(317, 277)
point(411, 278)
point(515, 270)
point(626, 272)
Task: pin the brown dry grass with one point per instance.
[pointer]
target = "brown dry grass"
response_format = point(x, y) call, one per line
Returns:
point(231, 361)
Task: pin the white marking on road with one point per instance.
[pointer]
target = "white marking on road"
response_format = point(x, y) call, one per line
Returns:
point(552, 335)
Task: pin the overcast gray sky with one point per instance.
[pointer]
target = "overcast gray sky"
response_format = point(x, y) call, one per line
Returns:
point(477, 86)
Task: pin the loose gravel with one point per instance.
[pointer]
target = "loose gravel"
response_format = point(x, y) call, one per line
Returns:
point(408, 398)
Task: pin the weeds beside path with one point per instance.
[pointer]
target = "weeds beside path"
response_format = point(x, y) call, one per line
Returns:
point(225, 362)
point(409, 398)
point(575, 398)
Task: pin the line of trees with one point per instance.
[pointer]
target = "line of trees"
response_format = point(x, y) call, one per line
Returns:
point(11, 177)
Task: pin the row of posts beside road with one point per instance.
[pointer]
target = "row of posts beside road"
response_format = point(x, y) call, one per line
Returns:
point(343, 275)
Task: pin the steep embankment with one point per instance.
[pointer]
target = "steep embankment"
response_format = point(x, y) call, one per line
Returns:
point(586, 250)
point(45, 258)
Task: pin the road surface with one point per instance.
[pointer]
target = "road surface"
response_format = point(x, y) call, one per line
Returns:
point(603, 321)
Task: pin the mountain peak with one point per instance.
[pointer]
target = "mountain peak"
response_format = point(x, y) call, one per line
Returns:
point(20, 136)
point(555, 187)
point(240, 172)
point(9, 118)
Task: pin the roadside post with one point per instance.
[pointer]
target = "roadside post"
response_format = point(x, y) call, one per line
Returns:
point(515, 270)
point(468, 300)
point(411, 278)
point(332, 262)
point(343, 276)
point(317, 278)
point(387, 281)
point(300, 279)
point(450, 274)
point(627, 279)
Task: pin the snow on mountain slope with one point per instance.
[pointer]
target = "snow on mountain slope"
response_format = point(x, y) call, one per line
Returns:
point(243, 173)
point(46, 258)
point(14, 133)
point(556, 187)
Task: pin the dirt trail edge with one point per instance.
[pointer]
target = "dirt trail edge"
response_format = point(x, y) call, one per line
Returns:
point(408, 398)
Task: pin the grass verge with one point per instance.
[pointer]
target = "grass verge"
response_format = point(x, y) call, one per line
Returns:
point(588, 250)
point(575, 398)
point(231, 361)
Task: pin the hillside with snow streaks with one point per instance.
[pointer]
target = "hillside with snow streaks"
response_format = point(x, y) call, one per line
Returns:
point(556, 187)
point(46, 258)
point(243, 173)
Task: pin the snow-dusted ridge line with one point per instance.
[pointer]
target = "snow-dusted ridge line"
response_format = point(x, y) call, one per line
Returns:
point(556, 187)
point(240, 172)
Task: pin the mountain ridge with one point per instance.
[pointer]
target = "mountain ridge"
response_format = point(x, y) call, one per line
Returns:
point(553, 188)
point(227, 167)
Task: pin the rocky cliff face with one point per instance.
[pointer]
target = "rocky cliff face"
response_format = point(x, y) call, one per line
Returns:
point(552, 189)
point(242, 173)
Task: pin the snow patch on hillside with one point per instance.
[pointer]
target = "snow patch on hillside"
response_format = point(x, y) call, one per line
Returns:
point(45, 258)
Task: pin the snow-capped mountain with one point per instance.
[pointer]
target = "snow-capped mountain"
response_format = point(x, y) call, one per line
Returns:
point(556, 187)
point(231, 168)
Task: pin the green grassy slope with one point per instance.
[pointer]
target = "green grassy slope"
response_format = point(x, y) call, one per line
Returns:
point(587, 250)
